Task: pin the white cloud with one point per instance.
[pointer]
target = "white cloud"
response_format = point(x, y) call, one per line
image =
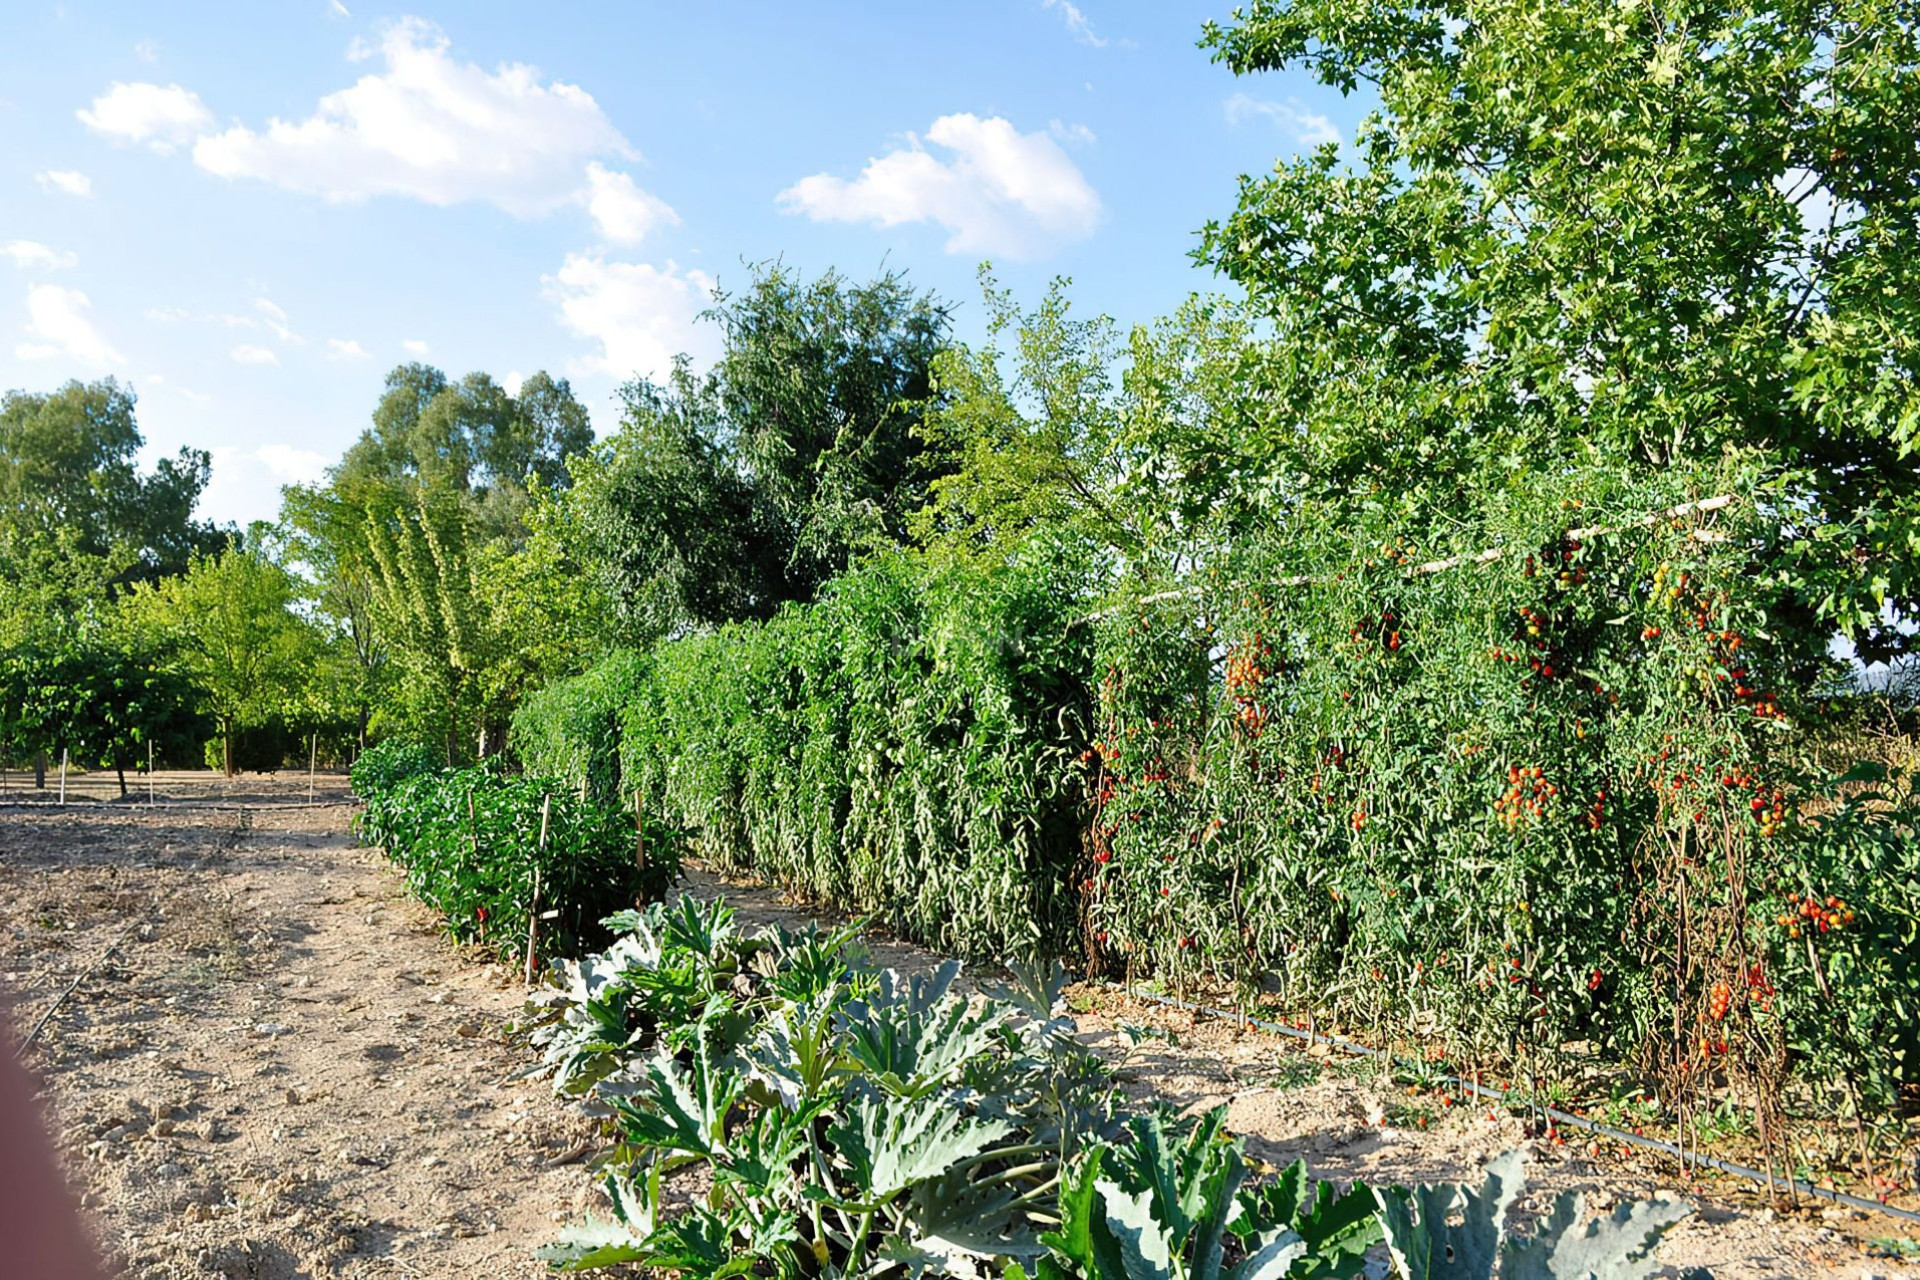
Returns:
point(275, 320)
point(185, 393)
point(1002, 192)
point(74, 184)
point(337, 10)
point(415, 346)
point(1308, 128)
point(512, 383)
point(1073, 134)
point(291, 465)
point(57, 317)
point(429, 127)
point(26, 255)
point(147, 51)
point(163, 117)
point(247, 353)
point(621, 210)
point(345, 349)
point(1076, 22)
point(640, 315)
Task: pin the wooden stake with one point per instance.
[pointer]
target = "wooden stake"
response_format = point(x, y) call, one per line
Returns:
point(149, 773)
point(533, 908)
point(639, 834)
point(313, 759)
point(63, 776)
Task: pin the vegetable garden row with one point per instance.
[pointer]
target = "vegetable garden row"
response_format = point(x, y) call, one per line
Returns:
point(777, 1105)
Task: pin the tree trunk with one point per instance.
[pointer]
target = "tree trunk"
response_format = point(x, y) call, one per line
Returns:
point(120, 772)
point(40, 770)
point(226, 744)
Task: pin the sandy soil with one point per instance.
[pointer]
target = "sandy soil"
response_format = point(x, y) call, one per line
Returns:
point(282, 1069)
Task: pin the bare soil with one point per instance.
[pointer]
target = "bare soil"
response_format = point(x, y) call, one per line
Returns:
point(280, 1068)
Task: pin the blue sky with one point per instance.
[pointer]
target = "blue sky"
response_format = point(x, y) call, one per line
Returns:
point(252, 212)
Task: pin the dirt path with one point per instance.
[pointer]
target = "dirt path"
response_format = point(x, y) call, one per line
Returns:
point(283, 1070)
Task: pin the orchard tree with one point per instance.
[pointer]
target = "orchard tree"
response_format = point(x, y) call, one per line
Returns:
point(1674, 237)
point(103, 702)
point(229, 623)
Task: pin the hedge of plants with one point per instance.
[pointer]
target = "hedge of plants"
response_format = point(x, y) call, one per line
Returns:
point(469, 842)
point(1567, 789)
point(906, 746)
point(1575, 795)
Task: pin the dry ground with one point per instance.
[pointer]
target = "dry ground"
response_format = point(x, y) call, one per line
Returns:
point(281, 1068)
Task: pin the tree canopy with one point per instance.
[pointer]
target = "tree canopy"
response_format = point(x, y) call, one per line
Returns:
point(1673, 236)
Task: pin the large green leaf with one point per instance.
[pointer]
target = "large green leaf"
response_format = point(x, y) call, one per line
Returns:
point(889, 1144)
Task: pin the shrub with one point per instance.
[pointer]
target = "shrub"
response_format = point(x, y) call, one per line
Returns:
point(468, 841)
point(386, 765)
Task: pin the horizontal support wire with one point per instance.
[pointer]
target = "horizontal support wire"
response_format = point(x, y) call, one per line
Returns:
point(1702, 507)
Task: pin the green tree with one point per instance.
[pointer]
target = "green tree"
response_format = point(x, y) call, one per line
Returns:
point(70, 488)
point(103, 702)
point(727, 494)
point(230, 625)
point(431, 610)
point(325, 532)
point(470, 437)
point(1591, 233)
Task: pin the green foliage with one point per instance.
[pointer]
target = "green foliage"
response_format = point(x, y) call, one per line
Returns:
point(1427, 1243)
point(69, 487)
point(904, 746)
point(1589, 233)
point(471, 437)
point(839, 1126)
point(469, 842)
point(384, 766)
point(729, 493)
point(1179, 1203)
point(570, 729)
point(102, 702)
point(835, 1119)
point(228, 623)
point(1491, 802)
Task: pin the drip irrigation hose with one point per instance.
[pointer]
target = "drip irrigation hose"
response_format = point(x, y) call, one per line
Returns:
point(1552, 1113)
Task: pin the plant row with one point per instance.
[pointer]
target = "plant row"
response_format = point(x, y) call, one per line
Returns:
point(1577, 792)
point(777, 1106)
point(489, 850)
point(906, 746)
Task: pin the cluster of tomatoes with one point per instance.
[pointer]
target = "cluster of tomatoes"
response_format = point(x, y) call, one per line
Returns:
point(1246, 672)
point(1806, 911)
point(1527, 795)
point(1383, 634)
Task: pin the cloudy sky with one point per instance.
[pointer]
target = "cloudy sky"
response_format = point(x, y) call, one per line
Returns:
point(252, 211)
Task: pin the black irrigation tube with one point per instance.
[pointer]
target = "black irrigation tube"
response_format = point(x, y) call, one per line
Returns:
point(1557, 1116)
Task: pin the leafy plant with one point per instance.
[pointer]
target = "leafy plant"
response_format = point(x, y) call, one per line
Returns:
point(1427, 1243)
point(846, 1118)
point(470, 843)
